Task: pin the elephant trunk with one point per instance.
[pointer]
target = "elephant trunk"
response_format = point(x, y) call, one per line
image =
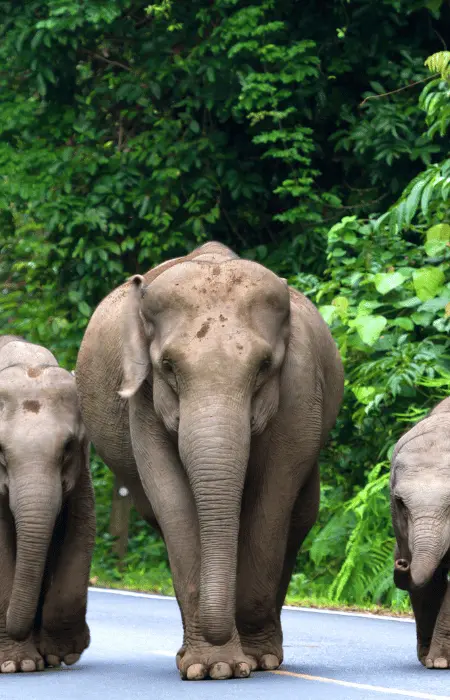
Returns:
point(402, 571)
point(214, 444)
point(428, 548)
point(35, 502)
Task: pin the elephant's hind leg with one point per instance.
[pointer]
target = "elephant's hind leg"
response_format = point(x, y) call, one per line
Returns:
point(14, 656)
point(304, 515)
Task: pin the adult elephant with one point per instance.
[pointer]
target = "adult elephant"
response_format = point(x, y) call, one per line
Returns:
point(209, 387)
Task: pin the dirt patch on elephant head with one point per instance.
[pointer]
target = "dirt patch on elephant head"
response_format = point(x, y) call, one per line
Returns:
point(33, 406)
point(203, 330)
point(33, 371)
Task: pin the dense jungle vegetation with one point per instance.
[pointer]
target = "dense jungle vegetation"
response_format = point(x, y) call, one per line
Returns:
point(309, 136)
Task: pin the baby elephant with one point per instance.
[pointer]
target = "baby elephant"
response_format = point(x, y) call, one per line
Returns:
point(420, 504)
point(47, 516)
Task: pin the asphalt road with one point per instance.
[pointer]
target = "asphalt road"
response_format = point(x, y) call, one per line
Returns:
point(328, 655)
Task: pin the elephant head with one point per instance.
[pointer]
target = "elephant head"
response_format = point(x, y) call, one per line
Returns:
point(42, 447)
point(420, 500)
point(210, 337)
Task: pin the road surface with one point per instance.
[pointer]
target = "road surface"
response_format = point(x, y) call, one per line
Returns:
point(333, 656)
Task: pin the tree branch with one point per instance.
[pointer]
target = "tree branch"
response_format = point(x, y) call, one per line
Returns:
point(107, 60)
point(405, 87)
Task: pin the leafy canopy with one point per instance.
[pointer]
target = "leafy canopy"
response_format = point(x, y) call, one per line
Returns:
point(312, 138)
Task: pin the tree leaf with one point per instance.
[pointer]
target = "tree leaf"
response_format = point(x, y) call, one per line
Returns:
point(385, 282)
point(369, 328)
point(403, 322)
point(435, 248)
point(422, 318)
point(438, 238)
point(413, 201)
point(84, 308)
point(439, 232)
point(428, 282)
point(328, 312)
point(364, 394)
point(341, 303)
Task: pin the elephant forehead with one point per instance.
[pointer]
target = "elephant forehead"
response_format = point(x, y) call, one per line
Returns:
point(202, 285)
point(426, 447)
point(32, 385)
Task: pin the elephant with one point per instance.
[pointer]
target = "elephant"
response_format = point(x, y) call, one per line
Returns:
point(420, 503)
point(209, 387)
point(47, 513)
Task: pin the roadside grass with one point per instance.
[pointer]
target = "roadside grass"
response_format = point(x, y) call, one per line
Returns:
point(158, 581)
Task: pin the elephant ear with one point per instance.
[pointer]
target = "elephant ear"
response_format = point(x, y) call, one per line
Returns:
point(136, 340)
point(77, 461)
point(265, 405)
point(3, 478)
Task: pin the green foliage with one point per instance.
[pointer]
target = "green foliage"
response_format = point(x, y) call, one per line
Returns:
point(439, 63)
point(387, 300)
point(130, 132)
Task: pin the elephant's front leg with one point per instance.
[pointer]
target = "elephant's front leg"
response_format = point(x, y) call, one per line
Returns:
point(167, 488)
point(427, 602)
point(64, 633)
point(432, 611)
point(14, 656)
point(275, 520)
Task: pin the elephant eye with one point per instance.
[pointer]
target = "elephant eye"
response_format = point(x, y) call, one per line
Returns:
point(400, 503)
point(265, 364)
point(68, 450)
point(167, 365)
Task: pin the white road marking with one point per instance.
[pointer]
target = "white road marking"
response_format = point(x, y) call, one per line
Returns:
point(319, 611)
point(303, 676)
point(334, 681)
point(363, 686)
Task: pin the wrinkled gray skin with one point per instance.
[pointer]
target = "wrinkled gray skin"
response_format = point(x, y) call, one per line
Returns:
point(420, 505)
point(47, 516)
point(209, 387)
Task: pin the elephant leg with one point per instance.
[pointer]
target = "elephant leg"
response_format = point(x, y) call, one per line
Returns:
point(64, 633)
point(304, 515)
point(274, 522)
point(14, 656)
point(426, 603)
point(431, 607)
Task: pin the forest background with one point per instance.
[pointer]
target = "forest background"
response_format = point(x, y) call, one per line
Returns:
point(309, 136)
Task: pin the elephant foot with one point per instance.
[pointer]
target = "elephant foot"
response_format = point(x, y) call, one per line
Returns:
point(199, 661)
point(180, 653)
point(264, 658)
point(422, 653)
point(19, 656)
point(439, 654)
point(265, 650)
point(58, 646)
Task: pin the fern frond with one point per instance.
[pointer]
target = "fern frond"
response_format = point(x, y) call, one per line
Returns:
point(439, 63)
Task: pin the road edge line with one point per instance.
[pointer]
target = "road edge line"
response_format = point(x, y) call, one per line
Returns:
point(362, 686)
point(321, 611)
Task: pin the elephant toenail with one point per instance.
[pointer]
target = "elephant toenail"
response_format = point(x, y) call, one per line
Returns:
point(196, 672)
point(220, 671)
point(27, 665)
point(8, 667)
point(71, 659)
point(242, 670)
